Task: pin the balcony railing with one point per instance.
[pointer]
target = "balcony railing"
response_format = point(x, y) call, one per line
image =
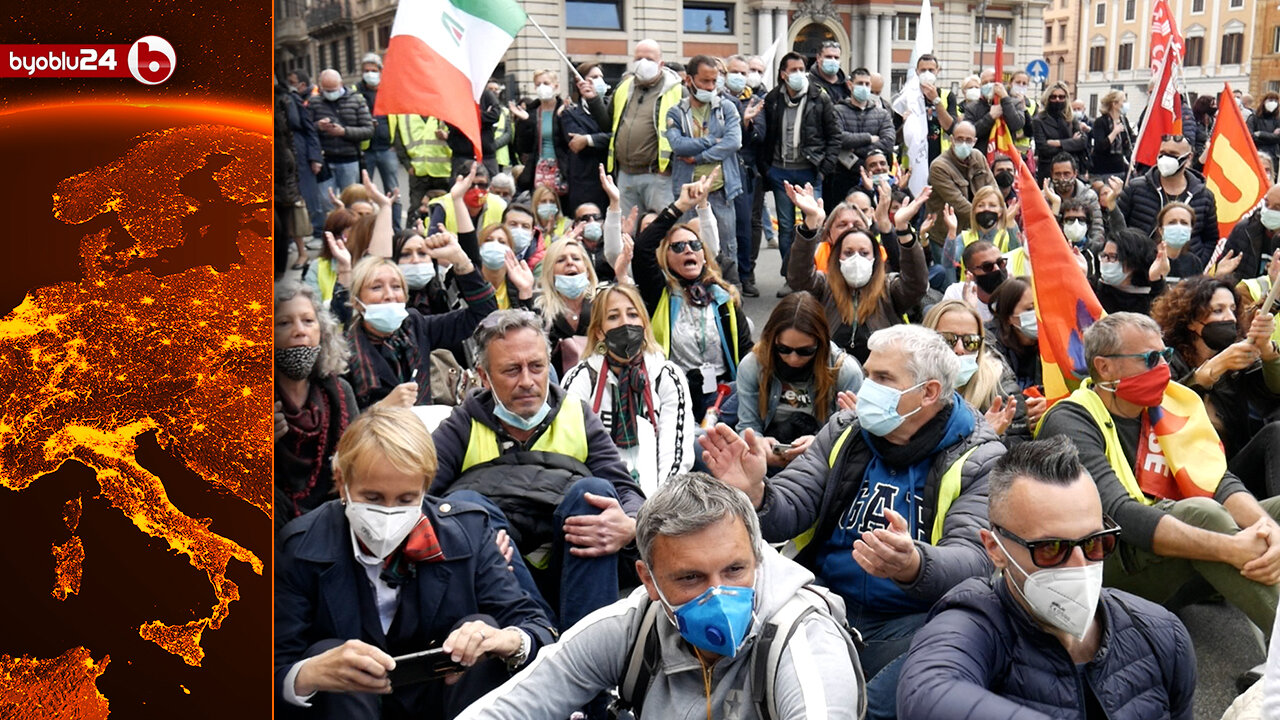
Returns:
point(328, 14)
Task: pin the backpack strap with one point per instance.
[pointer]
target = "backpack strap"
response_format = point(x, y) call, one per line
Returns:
point(645, 652)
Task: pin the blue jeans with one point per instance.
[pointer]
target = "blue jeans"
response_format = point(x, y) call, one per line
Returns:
point(886, 640)
point(786, 210)
point(388, 167)
point(742, 207)
point(498, 521)
point(586, 584)
point(341, 175)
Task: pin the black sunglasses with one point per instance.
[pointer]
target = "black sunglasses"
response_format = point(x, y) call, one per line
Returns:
point(1171, 138)
point(1053, 552)
point(809, 351)
point(990, 267)
point(479, 184)
point(971, 342)
point(1150, 357)
point(679, 247)
point(589, 217)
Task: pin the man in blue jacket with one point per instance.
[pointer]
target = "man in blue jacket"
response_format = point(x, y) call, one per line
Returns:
point(1044, 639)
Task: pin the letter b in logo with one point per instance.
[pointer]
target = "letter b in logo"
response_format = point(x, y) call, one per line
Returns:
point(151, 60)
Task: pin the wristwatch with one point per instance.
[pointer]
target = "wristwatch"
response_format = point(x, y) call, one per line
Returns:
point(520, 656)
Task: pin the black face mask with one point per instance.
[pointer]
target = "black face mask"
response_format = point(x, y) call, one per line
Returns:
point(987, 219)
point(625, 341)
point(989, 282)
point(1004, 179)
point(1218, 335)
point(1057, 108)
point(296, 363)
point(788, 374)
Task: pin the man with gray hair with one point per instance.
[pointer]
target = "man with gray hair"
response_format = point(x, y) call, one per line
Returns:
point(343, 121)
point(546, 460)
point(886, 502)
point(716, 586)
point(1162, 475)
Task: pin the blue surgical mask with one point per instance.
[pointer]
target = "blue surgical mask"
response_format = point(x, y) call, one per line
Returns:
point(719, 82)
point(703, 96)
point(717, 620)
point(968, 366)
point(798, 82)
point(861, 93)
point(386, 317)
point(961, 150)
point(417, 275)
point(493, 255)
point(830, 66)
point(547, 210)
point(601, 86)
point(736, 82)
point(572, 286)
point(1176, 236)
point(1112, 273)
point(522, 238)
point(501, 412)
point(878, 407)
point(1028, 324)
point(988, 90)
point(593, 231)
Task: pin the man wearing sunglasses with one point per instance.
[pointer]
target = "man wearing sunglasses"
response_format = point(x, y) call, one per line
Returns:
point(1162, 475)
point(990, 648)
point(984, 269)
point(1172, 180)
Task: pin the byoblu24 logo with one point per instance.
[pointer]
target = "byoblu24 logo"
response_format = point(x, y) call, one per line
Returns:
point(150, 60)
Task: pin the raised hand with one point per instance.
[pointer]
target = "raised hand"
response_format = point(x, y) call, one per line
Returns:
point(462, 183)
point(334, 200)
point(338, 251)
point(1054, 199)
point(622, 266)
point(949, 217)
point(803, 198)
point(738, 460)
point(1228, 263)
point(587, 90)
point(903, 219)
point(520, 275)
point(611, 189)
point(519, 112)
point(753, 109)
point(382, 200)
point(928, 223)
point(1160, 266)
point(846, 400)
point(1001, 413)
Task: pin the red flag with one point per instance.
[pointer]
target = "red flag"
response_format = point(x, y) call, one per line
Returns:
point(1233, 171)
point(1164, 110)
point(1164, 30)
point(1065, 303)
point(1001, 139)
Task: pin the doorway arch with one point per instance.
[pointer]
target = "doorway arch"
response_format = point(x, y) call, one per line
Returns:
point(807, 34)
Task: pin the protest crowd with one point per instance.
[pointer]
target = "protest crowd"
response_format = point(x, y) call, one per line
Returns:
point(533, 459)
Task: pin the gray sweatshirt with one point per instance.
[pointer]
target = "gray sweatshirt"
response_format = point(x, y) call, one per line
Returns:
point(815, 677)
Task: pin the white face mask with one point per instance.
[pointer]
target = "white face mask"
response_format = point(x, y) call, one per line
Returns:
point(1064, 597)
point(1168, 165)
point(754, 79)
point(546, 92)
point(1271, 105)
point(1074, 229)
point(972, 94)
point(928, 78)
point(382, 528)
point(646, 70)
point(417, 275)
point(856, 270)
point(1018, 90)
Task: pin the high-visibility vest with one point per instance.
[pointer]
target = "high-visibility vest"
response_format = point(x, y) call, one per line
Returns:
point(1086, 398)
point(663, 321)
point(503, 154)
point(429, 156)
point(567, 435)
point(493, 209)
point(1257, 290)
point(1022, 138)
point(1001, 240)
point(665, 103)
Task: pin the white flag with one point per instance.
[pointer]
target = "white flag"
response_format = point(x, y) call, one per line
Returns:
point(910, 104)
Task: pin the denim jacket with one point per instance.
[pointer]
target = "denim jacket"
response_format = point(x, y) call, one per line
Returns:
point(724, 125)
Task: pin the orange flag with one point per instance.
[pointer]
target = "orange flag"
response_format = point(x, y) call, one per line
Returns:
point(1065, 303)
point(1233, 171)
point(1001, 138)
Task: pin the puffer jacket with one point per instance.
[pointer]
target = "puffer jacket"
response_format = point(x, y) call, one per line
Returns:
point(1141, 201)
point(1264, 133)
point(981, 656)
point(349, 111)
point(814, 491)
point(863, 130)
point(819, 132)
point(1250, 240)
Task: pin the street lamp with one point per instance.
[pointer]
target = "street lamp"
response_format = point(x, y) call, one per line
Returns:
point(982, 33)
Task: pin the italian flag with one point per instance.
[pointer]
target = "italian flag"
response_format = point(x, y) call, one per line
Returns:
point(442, 51)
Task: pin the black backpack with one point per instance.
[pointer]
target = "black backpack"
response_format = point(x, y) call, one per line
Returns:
point(766, 656)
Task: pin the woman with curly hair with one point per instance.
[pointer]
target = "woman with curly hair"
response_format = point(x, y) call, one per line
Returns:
point(1234, 365)
point(313, 403)
point(787, 386)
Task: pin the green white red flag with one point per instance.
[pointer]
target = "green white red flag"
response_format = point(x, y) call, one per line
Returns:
point(443, 51)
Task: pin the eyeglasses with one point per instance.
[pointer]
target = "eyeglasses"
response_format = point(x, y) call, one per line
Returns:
point(1057, 97)
point(802, 351)
point(1150, 357)
point(589, 217)
point(679, 247)
point(1109, 257)
point(1171, 138)
point(1052, 552)
point(990, 267)
point(971, 342)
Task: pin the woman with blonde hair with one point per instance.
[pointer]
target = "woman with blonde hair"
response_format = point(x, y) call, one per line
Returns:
point(857, 291)
point(641, 397)
point(1055, 129)
point(512, 280)
point(697, 316)
point(566, 286)
point(988, 220)
point(1112, 138)
point(549, 218)
point(985, 381)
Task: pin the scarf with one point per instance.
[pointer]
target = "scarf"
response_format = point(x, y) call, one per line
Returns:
point(697, 290)
point(632, 390)
point(422, 545)
point(376, 366)
point(304, 451)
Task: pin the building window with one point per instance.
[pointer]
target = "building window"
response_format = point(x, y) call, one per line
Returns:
point(994, 27)
point(1273, 86)
point(1100, 14)
point(1232, 48)
point(715, 18)
point(1197, 6)
point(1048, 34)
point(1235, 4)
point(1275, 40)
point(1195, 52)
point(593, 14)
point(904, 27)
point(1130, 10)
point(368, 41)
point(1124, 60)
point(897, 78)
point(1097, 58)
point(351, 55)
point(1062, 32)
point(384, 35)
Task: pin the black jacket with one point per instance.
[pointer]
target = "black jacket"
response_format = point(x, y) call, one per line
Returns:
point(978, 112)
point(1111, 158)
point(582, 169)
point(862, 130)
point(1264, 131)
point(381, 139)
point(528, 143)
point(819, 133)
point(1252, 241)
point(1142, 199)
point(349, 111)
point(1046, 127)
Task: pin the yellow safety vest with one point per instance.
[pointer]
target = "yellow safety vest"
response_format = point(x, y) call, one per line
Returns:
point(1086, 398)
point(567, 435)
point(429, 156)
point(493, 209)
point(1022, 138)
point(668, 100)
point(662, 321)
point(1001, 240)
point(503, 154)
point(1257, 289)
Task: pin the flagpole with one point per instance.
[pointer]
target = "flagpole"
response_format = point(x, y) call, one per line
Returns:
point(556, 47)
